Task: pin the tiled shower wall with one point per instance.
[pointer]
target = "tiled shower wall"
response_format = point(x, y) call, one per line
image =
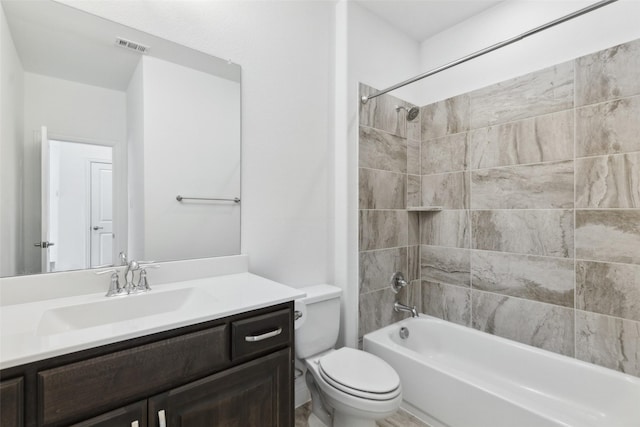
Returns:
point(389, 177)
point(539, 238)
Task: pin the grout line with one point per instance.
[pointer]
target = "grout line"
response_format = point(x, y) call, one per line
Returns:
point(622, 98)
point(575, 199)
point(596, 156)
point(384, 170)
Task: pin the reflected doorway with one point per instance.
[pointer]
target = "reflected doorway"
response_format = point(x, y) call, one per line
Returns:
point(79, 182)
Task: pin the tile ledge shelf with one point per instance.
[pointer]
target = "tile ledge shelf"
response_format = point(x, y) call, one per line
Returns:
point(425, 208)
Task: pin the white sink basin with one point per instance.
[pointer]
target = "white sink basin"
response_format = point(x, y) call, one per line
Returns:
point(124, 308)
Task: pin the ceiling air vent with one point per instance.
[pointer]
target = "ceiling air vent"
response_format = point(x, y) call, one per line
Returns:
point(128, 44)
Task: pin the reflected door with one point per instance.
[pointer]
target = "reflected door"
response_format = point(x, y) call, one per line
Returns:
point(101, 214)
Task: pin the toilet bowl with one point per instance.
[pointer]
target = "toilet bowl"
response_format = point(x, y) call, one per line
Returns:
point(349, 387)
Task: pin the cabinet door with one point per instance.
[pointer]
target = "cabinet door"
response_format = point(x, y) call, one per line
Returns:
point(12, 403)
point(255, 394)
point(134, 415)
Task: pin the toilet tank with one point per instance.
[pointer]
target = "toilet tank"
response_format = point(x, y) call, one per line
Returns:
point(317, 330)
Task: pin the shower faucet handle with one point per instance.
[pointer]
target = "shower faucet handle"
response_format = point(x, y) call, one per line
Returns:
point(397, 281)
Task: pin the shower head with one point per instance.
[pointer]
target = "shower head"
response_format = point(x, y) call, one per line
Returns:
point(412, 112)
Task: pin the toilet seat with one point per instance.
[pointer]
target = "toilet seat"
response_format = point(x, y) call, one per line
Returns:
point(359, 374)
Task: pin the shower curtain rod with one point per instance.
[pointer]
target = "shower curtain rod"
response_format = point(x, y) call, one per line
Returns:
point(491, 48)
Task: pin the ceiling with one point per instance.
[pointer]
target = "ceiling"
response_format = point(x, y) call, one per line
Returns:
point(421, 19)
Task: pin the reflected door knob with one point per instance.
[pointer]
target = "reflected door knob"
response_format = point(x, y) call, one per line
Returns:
point(43, 245)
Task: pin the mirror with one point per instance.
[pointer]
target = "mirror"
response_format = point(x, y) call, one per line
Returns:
point(103, 127)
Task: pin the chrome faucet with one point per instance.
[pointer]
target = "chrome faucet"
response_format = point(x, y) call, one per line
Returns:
point(115, 289)
point(398, 306)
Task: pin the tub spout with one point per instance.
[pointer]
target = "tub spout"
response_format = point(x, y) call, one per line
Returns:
point(398, 306)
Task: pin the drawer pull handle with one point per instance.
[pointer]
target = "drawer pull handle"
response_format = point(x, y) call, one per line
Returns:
point(162, 419)
point(254, 338)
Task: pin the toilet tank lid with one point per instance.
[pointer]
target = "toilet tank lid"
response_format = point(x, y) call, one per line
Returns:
point(320, 293)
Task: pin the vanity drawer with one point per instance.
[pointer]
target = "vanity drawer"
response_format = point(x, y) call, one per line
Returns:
point(80, 389)
point(253, 336)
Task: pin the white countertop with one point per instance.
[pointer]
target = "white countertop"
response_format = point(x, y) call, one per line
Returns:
point(28, 331)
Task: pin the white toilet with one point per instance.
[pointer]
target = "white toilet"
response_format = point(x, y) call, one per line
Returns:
point(349, 388)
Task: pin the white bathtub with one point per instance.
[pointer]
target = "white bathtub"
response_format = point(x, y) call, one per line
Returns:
point(455, 376)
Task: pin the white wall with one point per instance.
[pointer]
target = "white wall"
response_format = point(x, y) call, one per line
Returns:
point(74, 112)
point(135, 157)
point(611, 25)
point(370, 51)
point(191, 135)
point(286, 52)
point(11, 156)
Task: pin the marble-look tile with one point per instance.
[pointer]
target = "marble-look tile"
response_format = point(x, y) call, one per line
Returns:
point(380, 112)
point(449, 190)
point(414, 127)
point(413, 271)
point(540, 186)
point(534, 94)
point(542, 279)
point(383, 229)
point(377, 267)
point(608, 74)
point(541, 325)
point(381, 150)
point(376, 311)
point(414, 193)
point(612, 289)
point(412, 295)
point(413, 156)
point(445, 265)
point(535, 140)
point(445, 117)
point(451, 303)
point(414, 228)
point(302, 414)
point(607, 341)
point(608, 181)
point(533, 232)
point(447, 154)
point(608, 235)
point(445, 228)
point(381, 189)
point(401, 419)
point(609, 128)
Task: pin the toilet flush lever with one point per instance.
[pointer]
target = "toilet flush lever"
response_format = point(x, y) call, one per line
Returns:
point(297, 315)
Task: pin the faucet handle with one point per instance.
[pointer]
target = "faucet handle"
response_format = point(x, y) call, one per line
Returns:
point(114, 286)
point(397, 282)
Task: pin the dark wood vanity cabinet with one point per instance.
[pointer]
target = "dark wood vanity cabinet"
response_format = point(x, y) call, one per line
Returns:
point(235, 371)
point(12, 402)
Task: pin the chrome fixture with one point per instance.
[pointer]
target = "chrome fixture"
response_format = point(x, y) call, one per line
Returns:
point(398, 306)
point(115, 289)
point(181, 198)
point(397, 282)
point(491, 48)
point(412, 112)
point(404, 333)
